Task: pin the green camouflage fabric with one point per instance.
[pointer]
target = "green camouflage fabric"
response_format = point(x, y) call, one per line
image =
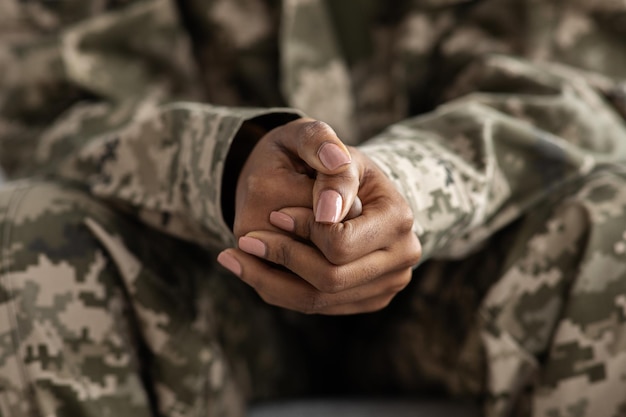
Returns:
point(502, 122)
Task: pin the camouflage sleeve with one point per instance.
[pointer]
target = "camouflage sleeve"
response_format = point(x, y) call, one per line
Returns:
point(168, 168)
point(83, 89)
point(478, 162)
point(89, 65)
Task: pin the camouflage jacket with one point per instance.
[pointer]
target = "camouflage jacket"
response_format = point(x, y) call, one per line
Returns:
point(94, 93)
point(477, 110)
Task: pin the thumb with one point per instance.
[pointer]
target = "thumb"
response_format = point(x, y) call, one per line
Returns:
point(337, 180)
point(315, 143)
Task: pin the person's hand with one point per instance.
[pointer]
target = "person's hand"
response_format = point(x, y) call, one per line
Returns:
point(350, 267)
point(302, 163)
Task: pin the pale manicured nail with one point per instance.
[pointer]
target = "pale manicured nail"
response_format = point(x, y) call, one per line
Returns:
point(252, 246)
point(282, 221)
point(229, 262)
point(332, 156)
point(329, 207)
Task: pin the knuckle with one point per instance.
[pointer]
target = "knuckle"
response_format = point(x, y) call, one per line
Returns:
point(337, 255)
point(314, 129)
point(314, 303)
point(282, 255)
point(408, 252)
point(414, 251)
point(405, 219)
point(337, 244)
point(333, 281)
point(400, 282)
point(371, 271)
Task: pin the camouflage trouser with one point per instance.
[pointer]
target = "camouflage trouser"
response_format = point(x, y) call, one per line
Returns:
point(101, 316)
point(554, 325)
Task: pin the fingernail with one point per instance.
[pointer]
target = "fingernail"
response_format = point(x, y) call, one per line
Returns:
point(329, 207)
point(252, 246)
point(332, 156)
point(229, 262)
point(282, 221)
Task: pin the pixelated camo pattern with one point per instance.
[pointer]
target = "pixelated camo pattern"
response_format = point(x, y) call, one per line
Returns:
point(502, 122)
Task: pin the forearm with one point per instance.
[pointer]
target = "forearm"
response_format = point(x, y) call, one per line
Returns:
point(477, 163)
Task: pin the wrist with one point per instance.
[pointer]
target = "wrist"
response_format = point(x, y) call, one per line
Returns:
point(249, 134)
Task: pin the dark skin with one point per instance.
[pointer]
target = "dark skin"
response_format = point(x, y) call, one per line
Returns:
point(293, 202)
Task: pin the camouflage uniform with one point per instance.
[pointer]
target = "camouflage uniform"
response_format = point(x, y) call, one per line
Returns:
point(501, 122)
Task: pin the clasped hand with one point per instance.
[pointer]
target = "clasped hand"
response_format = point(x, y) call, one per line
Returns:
point(320, 227)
